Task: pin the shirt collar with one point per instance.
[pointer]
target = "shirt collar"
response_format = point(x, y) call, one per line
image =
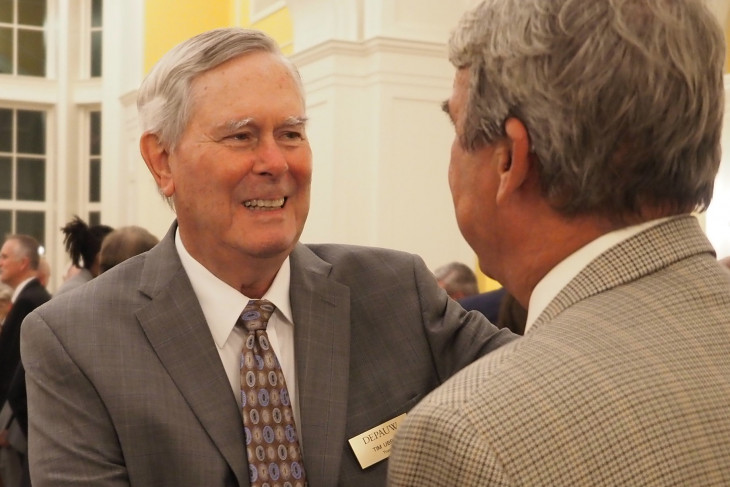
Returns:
point(19, 289)
point(559, 276)
point(221, 303)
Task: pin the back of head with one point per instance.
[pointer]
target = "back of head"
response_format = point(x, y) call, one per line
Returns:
point(123, 243)
point(83, 242)
point(622, 99)
point(164, 99)
point(457, 279)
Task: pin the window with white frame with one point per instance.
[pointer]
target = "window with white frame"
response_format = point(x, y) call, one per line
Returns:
point(95, 40)
point(23, 37)
point(23, 171)
point(94, 167)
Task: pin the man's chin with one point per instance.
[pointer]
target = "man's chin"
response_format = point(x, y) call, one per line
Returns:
point(272, 249)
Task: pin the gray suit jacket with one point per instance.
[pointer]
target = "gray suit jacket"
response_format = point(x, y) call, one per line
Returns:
point(624, 379)
point(125, 385)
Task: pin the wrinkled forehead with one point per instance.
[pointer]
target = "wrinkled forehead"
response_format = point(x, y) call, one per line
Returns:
point(252, 59)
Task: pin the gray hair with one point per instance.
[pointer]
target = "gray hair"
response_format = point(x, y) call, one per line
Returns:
point(28, 247)
point(622, 99)
point(164, 99)
point(124, 243)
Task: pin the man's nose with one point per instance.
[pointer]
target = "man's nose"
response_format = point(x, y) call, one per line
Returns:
point(270, 158)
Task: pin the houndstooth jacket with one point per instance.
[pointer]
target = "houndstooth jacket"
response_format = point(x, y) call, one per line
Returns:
point(624, 379)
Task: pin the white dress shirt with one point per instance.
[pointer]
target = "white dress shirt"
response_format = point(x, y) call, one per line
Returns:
point(559, 276)
point(222, 305)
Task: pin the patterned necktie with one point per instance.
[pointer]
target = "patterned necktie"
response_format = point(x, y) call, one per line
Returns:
point(274, 456)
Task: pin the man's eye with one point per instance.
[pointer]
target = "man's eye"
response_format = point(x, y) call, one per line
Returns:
point(293, 135)
point(241, 136)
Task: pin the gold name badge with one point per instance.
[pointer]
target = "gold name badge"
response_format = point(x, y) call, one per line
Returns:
point(374, 445)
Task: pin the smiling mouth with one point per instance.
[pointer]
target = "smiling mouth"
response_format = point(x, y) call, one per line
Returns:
point(265, 204)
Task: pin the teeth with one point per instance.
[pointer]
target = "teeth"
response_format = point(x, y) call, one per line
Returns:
point(277, 203)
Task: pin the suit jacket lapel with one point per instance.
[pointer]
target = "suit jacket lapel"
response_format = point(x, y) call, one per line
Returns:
point(321, 313)
point(176, 328)
point(661, 245)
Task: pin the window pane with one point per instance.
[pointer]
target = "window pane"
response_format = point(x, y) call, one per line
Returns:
point(6, 178)
point(96, 13)
point(6, 13)
point(6, 130)
point(31, 179)
point(32, 223)
point(31, 53)
point(6, 219)
point(31, 132)
point(6, 50)
point(95, 133)
point(94, 218)
point(95, 54)
point(32, 12)
point(95, 181)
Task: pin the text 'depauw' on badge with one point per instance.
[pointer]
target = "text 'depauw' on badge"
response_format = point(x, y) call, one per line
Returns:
point(374, 445)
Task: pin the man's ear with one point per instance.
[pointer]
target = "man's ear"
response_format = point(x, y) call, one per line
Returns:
point(514, 163)
point(157, 158)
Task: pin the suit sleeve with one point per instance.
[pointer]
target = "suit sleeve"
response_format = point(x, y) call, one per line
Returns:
point(72, 441)
point(456, 337)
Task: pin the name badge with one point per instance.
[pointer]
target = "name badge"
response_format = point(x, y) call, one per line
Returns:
point(374, 445)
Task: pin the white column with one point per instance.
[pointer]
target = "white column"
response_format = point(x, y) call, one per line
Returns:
point(129, 195)
point(375, 73)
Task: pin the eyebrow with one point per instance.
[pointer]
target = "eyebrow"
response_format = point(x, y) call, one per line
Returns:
point(234, 125)
point(294, 121)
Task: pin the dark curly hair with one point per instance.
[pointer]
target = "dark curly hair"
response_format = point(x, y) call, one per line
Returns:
point(83, 242)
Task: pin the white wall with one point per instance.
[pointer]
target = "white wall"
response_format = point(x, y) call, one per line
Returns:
point(717, 218)
point(376, 73)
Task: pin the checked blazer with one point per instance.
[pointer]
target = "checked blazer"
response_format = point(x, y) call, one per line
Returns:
point(624, 379)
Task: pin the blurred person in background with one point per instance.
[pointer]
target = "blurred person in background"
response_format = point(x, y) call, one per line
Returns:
point(123, 243)
point(457, 279)
point(82, 243)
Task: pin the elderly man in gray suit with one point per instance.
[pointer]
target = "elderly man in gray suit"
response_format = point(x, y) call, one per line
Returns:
point(142, 378)
point(587, 132)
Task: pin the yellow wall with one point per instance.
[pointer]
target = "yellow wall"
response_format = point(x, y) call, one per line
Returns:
point(169, 22)
point(279, 26)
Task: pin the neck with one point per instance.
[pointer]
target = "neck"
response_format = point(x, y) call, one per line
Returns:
point(540, 248)
point(21, 279)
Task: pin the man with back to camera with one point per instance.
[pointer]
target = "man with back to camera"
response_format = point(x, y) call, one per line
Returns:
point(586, 135)
point(150, 367)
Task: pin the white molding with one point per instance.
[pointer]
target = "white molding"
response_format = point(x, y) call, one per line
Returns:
point(260, 14)
point(28, 89)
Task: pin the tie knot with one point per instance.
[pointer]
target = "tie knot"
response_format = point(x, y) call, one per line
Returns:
point(256, 314)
